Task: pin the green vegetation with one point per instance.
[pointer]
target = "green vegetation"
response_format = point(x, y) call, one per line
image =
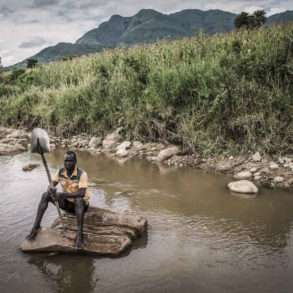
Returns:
point(250, 21)
point(231, 92)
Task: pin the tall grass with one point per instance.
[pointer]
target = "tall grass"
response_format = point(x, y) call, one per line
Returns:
point(231, 92)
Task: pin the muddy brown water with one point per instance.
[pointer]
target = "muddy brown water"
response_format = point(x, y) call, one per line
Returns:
point(201, 238)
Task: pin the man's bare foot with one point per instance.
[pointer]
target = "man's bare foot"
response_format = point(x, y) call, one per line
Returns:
point(33, 234)
point(78, 242)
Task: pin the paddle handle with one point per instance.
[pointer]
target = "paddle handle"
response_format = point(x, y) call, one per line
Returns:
point(46, 167)
point(50, 181)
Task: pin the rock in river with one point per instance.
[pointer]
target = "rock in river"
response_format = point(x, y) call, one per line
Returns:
point(242, 175)
point(243, 186)
point(30, 167)
point(167, 153)
point(224, 166)
point(105, 233)
point(11, 149)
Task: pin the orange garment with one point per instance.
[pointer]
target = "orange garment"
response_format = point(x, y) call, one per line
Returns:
point(78, 179)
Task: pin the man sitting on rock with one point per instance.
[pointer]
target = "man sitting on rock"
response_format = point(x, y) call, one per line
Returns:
point(74, 198)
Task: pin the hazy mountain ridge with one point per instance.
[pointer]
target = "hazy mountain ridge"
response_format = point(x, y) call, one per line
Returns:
point(147, 26)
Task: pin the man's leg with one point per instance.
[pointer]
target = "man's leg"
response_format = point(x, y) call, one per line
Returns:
point(80, 208)
point(43, 205)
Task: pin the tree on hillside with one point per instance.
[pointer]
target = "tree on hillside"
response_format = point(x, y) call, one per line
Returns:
point(31, 63)
point(259, 18)
point(250, 21)
point(241, 20)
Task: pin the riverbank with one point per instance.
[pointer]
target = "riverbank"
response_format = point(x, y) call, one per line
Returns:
point(260, 168)
point(228, 93)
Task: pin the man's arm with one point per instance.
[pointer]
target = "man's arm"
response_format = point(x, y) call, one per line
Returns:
point(82, 187)
point(78, 194)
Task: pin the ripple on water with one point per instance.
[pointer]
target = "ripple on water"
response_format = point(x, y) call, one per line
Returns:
point(199, 237)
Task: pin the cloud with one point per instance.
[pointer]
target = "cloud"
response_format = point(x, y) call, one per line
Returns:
point(44, 3)
point(5, 11)
point(28, 26)
point(34, 42)
point(275, 10)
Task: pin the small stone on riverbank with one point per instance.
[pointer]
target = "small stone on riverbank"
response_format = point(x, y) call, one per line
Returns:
point(256, 157)
point(263, 169)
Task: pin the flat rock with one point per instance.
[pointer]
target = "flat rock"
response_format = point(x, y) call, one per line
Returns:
point(224, 166)
point(8, 149)
point(30, 167)
point(243, 175)
point(167, 153)
point(279, 179)
point(273, 166)
point(18, 133)
point(138, 145)
point(105, 233)
point(243, 186)
point(253, 169)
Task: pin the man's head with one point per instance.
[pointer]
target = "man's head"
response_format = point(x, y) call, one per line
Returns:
point(70, 160)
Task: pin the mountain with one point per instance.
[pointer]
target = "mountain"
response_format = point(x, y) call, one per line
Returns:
point(281, 17)
point(62, 50)
point(149, 25)
point(145, 27)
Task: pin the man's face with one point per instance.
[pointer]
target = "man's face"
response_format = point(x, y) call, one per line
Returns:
point(69, 162)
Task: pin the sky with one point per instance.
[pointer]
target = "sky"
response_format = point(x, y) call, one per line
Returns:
point(27, 26)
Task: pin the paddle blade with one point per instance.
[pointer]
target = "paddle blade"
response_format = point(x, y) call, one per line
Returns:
point(40, 141)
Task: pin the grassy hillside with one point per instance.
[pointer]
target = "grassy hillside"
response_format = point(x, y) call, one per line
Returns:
point(231, 92)
point(147, 26)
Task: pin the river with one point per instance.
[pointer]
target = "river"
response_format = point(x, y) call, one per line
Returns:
point(201, 238)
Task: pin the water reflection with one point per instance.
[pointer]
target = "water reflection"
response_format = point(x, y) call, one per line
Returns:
point(69, 274)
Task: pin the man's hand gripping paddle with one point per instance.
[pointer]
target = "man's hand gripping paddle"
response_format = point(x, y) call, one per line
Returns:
point(40, 144)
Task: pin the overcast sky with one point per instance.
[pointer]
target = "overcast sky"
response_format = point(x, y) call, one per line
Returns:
point(27, 26)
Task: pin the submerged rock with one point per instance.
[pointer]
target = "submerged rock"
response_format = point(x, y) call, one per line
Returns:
point(243, 186)
point(30, 167)
point(105, 233)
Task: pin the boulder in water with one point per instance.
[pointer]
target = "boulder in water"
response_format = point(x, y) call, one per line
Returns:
point(243, 186)
point(105, 233)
